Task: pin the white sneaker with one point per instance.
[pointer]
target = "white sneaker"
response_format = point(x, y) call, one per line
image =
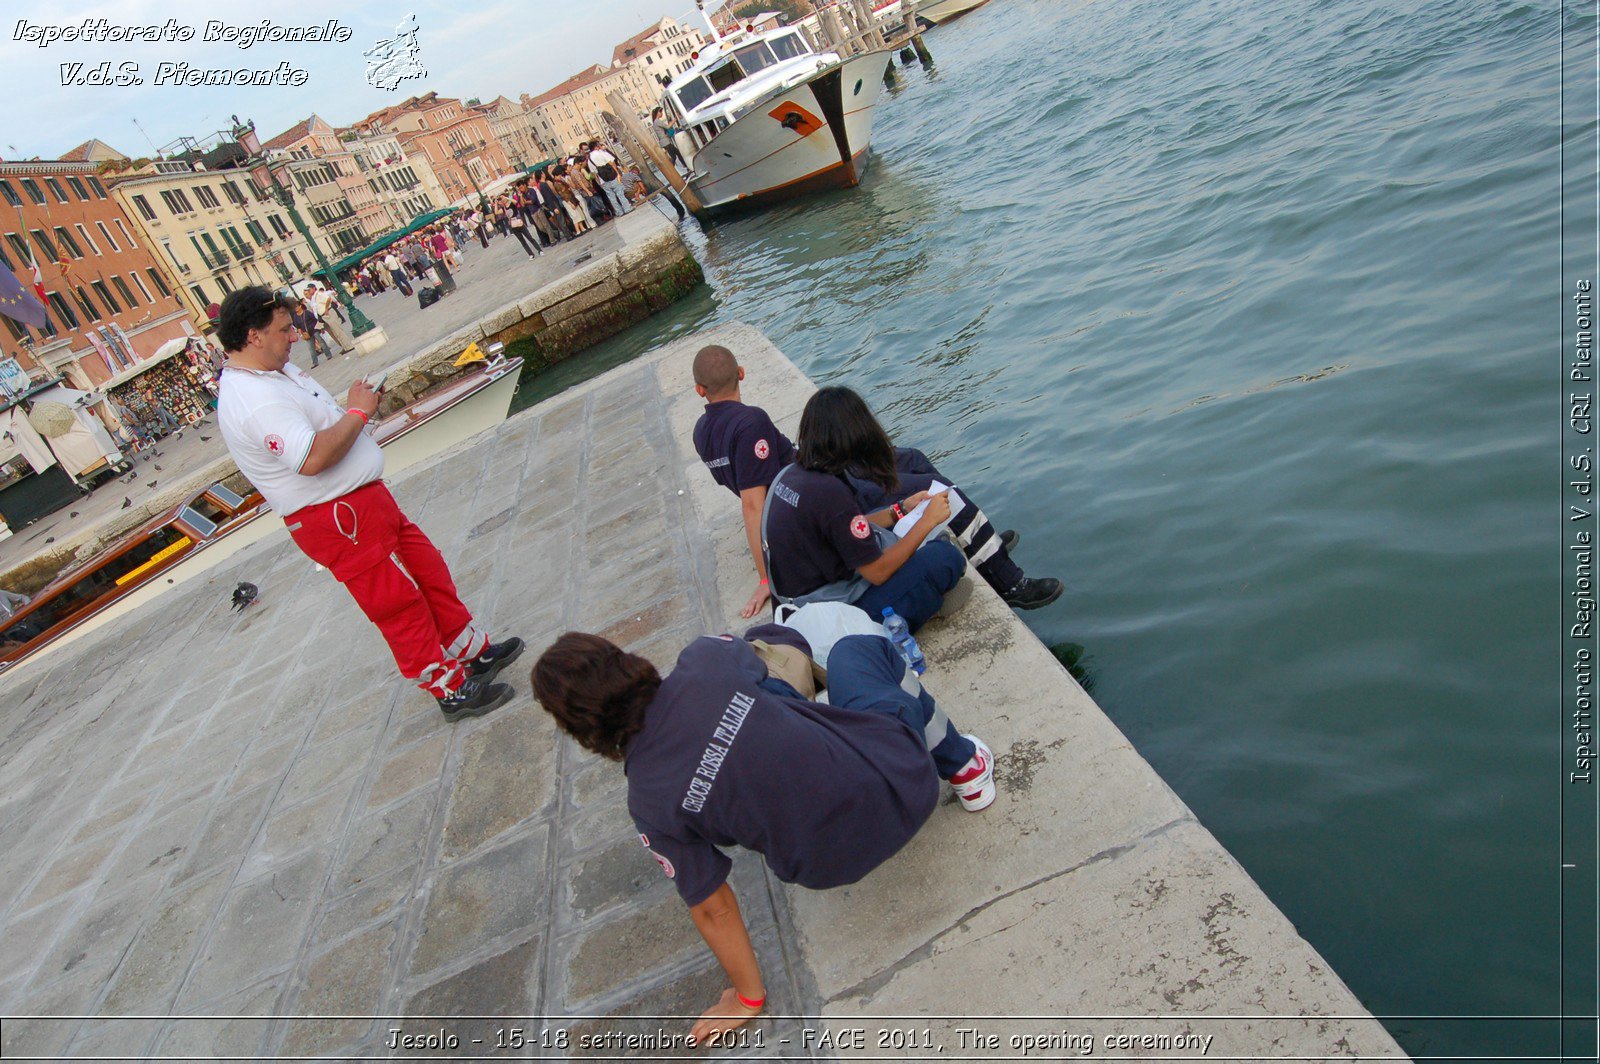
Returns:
point(974, 784)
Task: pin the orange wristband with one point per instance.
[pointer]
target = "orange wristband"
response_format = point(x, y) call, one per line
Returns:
point(747, 1003)
point(362, 414)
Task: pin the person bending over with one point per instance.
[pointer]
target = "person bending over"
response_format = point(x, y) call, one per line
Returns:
point(744, 451)
point(723, 753)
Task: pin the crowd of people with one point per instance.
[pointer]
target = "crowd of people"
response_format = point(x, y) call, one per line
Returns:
point(556, 203)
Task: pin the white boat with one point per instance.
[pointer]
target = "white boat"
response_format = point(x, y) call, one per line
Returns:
point(761, 117)
point(212, 526)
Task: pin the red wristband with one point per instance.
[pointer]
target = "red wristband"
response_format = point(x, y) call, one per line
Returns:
point(747, 1003)
point(763, 582)
point(362, 414)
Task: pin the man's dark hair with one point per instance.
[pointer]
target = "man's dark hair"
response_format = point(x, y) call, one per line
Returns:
point(839, 435)
point(595, 691)
point(246, 309)
point(715, 369)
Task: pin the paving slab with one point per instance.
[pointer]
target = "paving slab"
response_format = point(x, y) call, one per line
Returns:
point(265, 826)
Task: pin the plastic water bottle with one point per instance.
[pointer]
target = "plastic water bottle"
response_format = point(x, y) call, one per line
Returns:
point(906, 643)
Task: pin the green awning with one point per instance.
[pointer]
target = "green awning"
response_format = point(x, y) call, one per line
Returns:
point(352, 259)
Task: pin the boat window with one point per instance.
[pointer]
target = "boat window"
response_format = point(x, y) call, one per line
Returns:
point(160, 545)
point(789, 46)
point(727, 74)
point(754, 58)
point(201, 523)
point(693, 93)
point(225, 497)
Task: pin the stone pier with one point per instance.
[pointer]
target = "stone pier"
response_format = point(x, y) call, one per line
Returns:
point(240, 835)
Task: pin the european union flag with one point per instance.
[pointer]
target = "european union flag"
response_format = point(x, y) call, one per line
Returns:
point(17, 302)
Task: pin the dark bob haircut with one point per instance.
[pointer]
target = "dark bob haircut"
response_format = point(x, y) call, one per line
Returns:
point(839, 435)
point(246, 309)
point(595, 691)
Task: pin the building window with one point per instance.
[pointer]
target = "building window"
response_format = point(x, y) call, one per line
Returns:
point(77, 186)
point(99, 189)
point(10, 194)
point(21, 247)
point(144, 208)
point(89, 313)
point(161, 285)
point(70, 245)
point(148, 298)
point(63, 309)
point(56, 190)
point(106, 297)
point(200, 296)
point(109, 238)
point(255, 230)
point(298, 265)
point(278, 226)
point(124, 291)
point(44, 245)
point(32, 190)
point(233, 193)
point(123, 229)
point(222, 282)
point(206, 197)
point(18, 331)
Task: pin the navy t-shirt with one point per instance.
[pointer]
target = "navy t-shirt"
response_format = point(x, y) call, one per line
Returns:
point(816, 532)
point(740, 445)
point(825, 794)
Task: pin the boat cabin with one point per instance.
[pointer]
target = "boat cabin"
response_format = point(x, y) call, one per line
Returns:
point(84, 590)
point(732, 73)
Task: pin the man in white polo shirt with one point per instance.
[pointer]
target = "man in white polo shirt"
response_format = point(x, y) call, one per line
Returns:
point(309, 457)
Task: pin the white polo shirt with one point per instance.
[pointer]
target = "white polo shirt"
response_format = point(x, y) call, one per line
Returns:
point(268, 421)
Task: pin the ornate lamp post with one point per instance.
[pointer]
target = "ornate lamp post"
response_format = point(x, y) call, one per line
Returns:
point(462, 153)
point(256, 162)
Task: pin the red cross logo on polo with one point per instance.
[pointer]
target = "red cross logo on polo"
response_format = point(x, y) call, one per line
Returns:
point(859, 527)
point(666, 865)
point(274, 443)
point(762, 450)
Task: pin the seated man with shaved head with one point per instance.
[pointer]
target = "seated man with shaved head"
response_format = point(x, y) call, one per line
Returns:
point(744, 452)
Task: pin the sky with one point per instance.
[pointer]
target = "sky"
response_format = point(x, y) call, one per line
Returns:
point(483, 48)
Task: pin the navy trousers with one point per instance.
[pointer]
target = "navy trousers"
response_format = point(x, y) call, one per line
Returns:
point(866, 672)
point(919, 586)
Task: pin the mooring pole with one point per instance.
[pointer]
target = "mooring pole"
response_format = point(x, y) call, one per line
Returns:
point(647, 148)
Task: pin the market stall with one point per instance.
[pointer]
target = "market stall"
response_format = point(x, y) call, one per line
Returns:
point(178, 377)
point(32, 482)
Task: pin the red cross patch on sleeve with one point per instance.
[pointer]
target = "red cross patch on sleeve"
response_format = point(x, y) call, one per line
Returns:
point(274, 443)
point(762, 450)
point(859, 527)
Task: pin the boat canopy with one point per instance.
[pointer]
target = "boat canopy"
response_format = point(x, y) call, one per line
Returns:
point(731, 65)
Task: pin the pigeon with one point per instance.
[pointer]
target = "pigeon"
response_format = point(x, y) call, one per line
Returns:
point(205, 439)
point(243, 595)
point(72, 515)
point(49, 539)
point(151, 484)
point(126, 502)
point(158, 467)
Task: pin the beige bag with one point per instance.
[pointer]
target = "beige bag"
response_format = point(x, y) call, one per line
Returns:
point(793, 666)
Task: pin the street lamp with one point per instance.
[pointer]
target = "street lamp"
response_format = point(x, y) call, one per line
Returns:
point(462, 153)
point(261, 170)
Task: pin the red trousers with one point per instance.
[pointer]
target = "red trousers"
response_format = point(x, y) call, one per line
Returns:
point(398, 578)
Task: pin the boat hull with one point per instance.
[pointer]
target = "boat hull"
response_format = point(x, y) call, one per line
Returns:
point(758, 160)
point(938, 12)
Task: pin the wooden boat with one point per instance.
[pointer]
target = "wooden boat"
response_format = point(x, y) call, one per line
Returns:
point(214, 524)
point(932, 13)
point(761, 117)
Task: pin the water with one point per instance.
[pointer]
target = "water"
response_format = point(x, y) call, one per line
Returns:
point(1245, 315)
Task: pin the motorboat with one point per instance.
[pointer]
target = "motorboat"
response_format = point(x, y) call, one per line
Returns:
point(761, 117)
point(216, 523)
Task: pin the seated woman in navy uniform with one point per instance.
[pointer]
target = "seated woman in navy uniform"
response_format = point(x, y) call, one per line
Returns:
point(821, 547)
point(726, 751)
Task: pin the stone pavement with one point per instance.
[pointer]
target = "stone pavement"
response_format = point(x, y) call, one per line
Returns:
point(239, 835)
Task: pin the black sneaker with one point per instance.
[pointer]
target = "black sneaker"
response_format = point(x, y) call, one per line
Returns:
point(496, 656)
point(474, 699)
point(1009, 539)
point(1030, 594)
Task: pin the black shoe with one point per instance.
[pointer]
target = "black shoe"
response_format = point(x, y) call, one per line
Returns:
point(1030, 594)
point(474, 699)
point(1009, 539)
point(496, 656)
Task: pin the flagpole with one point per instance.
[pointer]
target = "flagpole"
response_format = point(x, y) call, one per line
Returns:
point(33, 263)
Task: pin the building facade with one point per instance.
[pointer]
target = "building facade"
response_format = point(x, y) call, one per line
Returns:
point(323, 169)
point(214, 230)
point(403, 186)
point(111, 302)
point(661, 52)
point(455, 140)
point(570, 112)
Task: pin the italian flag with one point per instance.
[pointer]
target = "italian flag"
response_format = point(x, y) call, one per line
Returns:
point(38, 284)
